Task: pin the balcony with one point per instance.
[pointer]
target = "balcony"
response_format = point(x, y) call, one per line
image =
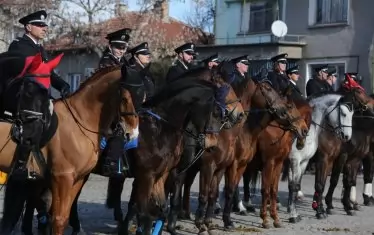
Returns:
point(263, 38)
point(260, 20)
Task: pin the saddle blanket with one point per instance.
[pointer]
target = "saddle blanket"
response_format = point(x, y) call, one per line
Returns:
point(129, 145)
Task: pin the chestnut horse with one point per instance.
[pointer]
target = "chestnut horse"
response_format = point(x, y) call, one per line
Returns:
point(203, 102)
point(231, 116)
point(82, 118)
point(273, 147)
point(236, 146)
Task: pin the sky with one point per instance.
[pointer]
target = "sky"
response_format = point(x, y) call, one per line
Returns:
point(178, 9)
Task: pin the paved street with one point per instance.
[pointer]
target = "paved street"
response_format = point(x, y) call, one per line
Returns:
point(96, 219)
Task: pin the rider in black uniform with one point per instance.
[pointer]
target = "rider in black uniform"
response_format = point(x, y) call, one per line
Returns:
point(185, 56)
point(114, 53)
point(140, 60)
point(318, 83)
point(29, 45)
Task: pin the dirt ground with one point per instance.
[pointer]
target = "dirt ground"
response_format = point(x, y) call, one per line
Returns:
point(97, 219)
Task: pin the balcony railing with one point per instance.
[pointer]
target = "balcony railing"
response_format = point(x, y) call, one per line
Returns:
point(261, 39)
point(261, 20)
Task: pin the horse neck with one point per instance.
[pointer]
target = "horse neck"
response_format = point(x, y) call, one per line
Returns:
point(95, 103)
point(319, 114)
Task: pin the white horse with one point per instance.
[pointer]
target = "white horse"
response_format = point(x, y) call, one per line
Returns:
point(328, 113)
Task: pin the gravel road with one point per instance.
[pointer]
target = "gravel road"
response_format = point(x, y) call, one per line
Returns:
point(97, 219)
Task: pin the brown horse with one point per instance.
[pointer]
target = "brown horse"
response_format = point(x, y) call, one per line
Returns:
point(236, 146)
point(195, 98)
point(351, 154)
point(326, 142)
point(83, 118)
point(273, 146)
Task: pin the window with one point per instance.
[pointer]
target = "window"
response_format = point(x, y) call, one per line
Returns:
point(74, 81)
point(340, 69)
point(261, 16)
point(331, 11)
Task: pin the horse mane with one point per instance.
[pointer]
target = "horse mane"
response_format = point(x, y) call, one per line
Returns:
point(178, 87)
point(320, 94)
point(324, 100)
point(96, 75)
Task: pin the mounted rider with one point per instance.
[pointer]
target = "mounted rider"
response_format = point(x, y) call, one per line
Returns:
point(29, 45)
point(185, 56)
point(115, 52)
point(278, 77)
point(331, 78)
point(293, 75)
point(241, 68)
point(211, 61)
point(318, 84)
point(140, 60)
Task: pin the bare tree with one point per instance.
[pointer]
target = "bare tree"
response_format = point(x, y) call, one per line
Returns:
point(12, 10)
point(202, 18)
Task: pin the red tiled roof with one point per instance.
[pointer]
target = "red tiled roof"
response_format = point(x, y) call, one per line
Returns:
point(146, 27)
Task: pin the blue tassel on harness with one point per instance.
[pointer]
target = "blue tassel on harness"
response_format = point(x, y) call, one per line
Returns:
point(128, 145)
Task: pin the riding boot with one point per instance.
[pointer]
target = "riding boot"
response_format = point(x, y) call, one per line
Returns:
point(20, 171)
point(112, 154)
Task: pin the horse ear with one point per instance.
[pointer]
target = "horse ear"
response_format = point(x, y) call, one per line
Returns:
point(28, 61)
point(36, 62)
point(55, 61)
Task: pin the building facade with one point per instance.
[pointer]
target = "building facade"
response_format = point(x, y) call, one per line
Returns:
point(334, 32)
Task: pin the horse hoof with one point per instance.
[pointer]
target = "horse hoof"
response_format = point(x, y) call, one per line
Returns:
point(251, 209)
point(230, 227)
point(277, 224)
point(184, 215)
point(266, 225)
point(78, 233)
point(356, 207)
point(351, 213)
point(243, 213)
point(321, 215)
point(217, 211)
point(203, 233)
point(294, 220)
point(329, 211)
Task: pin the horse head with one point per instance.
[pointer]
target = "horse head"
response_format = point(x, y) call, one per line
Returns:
point(104, 99)
point(30, 90)
point(361, 101)
point(340, 117)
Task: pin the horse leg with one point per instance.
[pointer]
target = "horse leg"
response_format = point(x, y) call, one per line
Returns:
point(188, 181)
point(276, 173)
point(124, 226)
point(335, 173)
point(16, 192)
point(266, 176)
point(349, 184)
point(247, 202)
point(294, 177)
point(213, 194)
point(368, 165)
point(28, 217)
point(319, 185)
point(230, 187)
point(175, 203)
point(63, 192)
point(113, 200)
point(74, 217)
point(206, 176)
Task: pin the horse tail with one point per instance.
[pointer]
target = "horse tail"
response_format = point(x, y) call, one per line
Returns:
point(286, 169)
point(16, 193)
